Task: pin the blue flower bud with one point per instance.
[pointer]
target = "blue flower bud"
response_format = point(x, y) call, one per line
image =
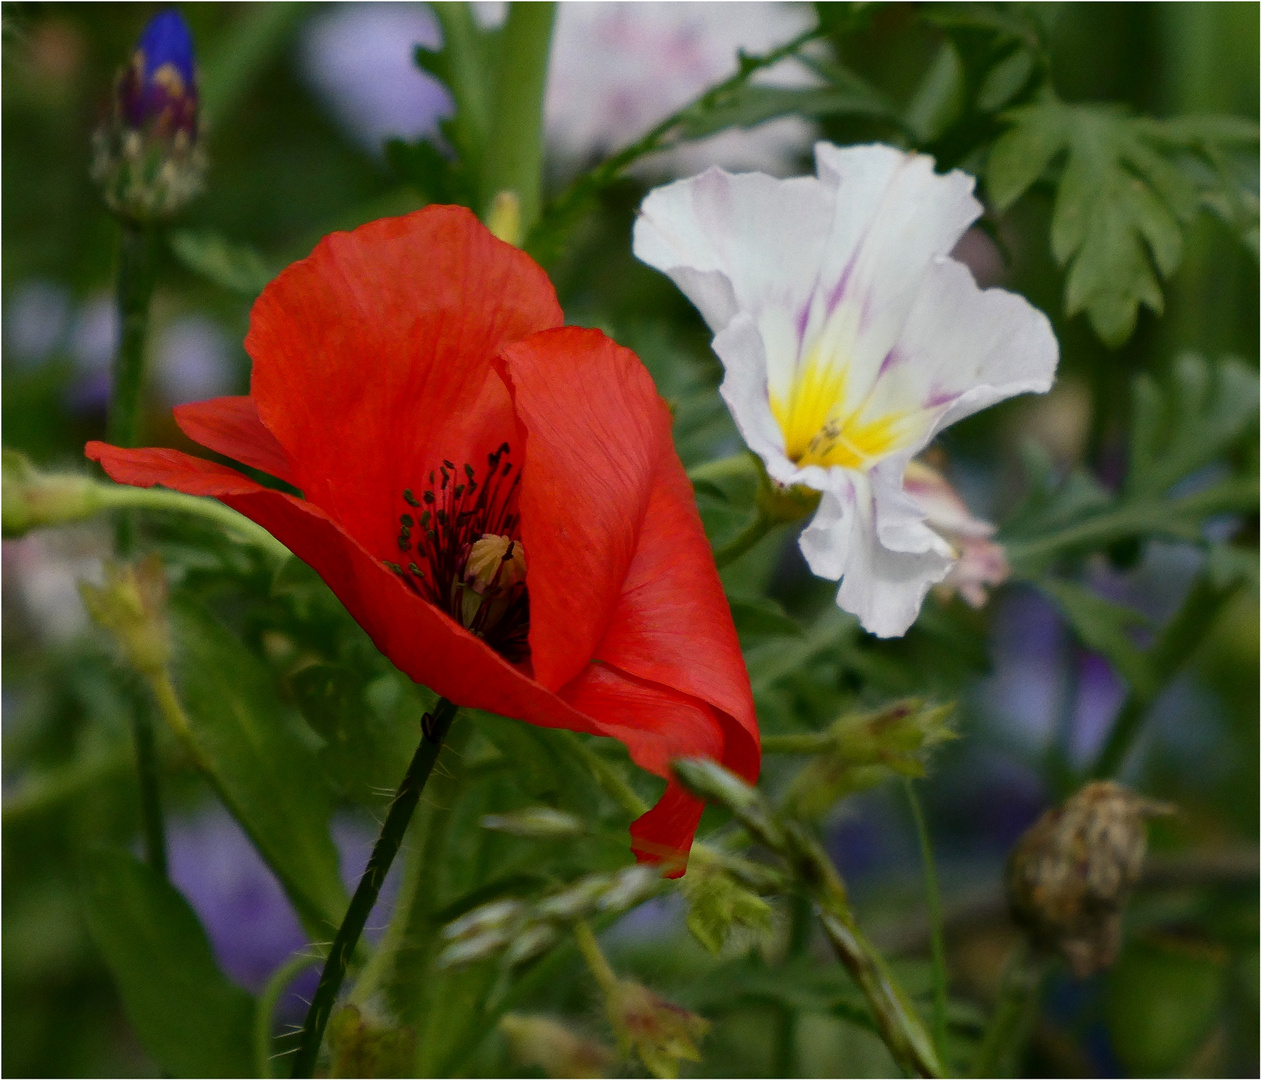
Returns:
point(147, 158)
point(158, 91)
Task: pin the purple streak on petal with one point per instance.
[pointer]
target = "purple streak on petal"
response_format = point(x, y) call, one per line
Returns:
point(939, 397)
point(891, 359)
point(803, 321)
point(842, 284)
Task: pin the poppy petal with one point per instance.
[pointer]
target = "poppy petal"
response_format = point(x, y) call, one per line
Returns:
point(231, 426)
point(594, 430)
point(672, 623)
point(372, 358)
point(420, 640)
point(657, 725)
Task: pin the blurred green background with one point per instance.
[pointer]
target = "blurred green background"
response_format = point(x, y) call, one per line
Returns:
point(291, 160)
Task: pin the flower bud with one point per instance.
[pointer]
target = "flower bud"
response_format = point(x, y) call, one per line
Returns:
point(537, 822)
point(531, 942)
point(147, 158)
point(631, 886)
point(499, 915)
point(33, 500)
point(132, 605)
point(545, 1044)
point(575, 901)
point(660, 1032)
point(708, 780)
point(1070, 875)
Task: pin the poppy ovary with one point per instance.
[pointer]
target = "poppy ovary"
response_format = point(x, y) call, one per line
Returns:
point(469, 561)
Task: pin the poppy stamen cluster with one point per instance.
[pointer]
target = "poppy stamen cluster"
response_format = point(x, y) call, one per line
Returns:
point(469, 560)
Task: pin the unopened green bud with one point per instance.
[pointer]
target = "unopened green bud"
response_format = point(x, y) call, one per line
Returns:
point(500, 915)
point(631, 886)
point(538, 822)
point(361, 1047)
point(708, 780)
point(475, 947)
point(548, 1045)
point(33, 500)
point(132, 606)
point(1069, 877)
point(860, 751)
point(531, 942)
point(575, 901)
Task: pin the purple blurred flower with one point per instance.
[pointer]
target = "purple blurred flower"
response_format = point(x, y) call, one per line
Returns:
point(192, 360)
point(358, 57)
point(36, 319)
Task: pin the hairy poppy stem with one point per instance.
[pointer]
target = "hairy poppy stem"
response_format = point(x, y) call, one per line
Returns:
point(137, 273)
point(436, 726)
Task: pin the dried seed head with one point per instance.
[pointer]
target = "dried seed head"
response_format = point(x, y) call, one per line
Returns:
point(1070, 875)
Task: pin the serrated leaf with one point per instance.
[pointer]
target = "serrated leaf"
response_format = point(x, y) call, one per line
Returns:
point(1123, 200)
point(233, 266)
point(189, 1016)
point(1189, 423)
point(267, 776)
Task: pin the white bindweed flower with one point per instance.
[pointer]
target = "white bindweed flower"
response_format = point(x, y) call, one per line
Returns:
point(849, 339)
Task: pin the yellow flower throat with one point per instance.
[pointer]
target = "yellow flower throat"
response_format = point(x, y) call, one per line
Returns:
point(821, 428)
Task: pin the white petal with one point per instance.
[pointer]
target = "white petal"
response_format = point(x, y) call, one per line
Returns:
point(893, 217)
point(858, 517)
point(764, 236)
point(964, 348)
point(742, 351)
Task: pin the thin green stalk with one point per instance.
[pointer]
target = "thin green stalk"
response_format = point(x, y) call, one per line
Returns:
point(752, 533)
point(600, 967)
point(565, 207)
point(808, 743)
point(151, 820)
point(1174, 646)
point(361, 904)
point(786, 1037)
point(937, 939)
point(1009, 1024)
point(513, 160)
point(137, 274)
point(267, 1003)
point(735, 465)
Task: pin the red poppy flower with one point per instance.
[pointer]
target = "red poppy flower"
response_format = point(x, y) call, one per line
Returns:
point(495, 497)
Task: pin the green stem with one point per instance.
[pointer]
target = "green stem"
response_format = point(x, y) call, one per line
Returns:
point(570, 202)
point(396, 821)
point(150, 792)
point(786, 1037)
point(595, 958)
point(267, 1003)
point(137, 274)
point(1174, 646)
point(932, 895)
point(514, 154)
point(752, 533)
point(736, 465)
point(1009, 1023)
point(809, 743)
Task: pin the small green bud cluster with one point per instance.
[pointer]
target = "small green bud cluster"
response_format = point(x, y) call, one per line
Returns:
point(547, 1044)
point(132, 606)
point(520, 930)
point(35, 500)
point(860, 751)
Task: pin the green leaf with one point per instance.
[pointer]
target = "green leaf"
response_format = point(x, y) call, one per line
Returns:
point(1005, 80)
point(1178, 429)
point(1103, 626)
point(1125, 196)
point(188, 1015)
point(268, 777)
point(233, 266)
point(750, 104)
point(761, 617)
